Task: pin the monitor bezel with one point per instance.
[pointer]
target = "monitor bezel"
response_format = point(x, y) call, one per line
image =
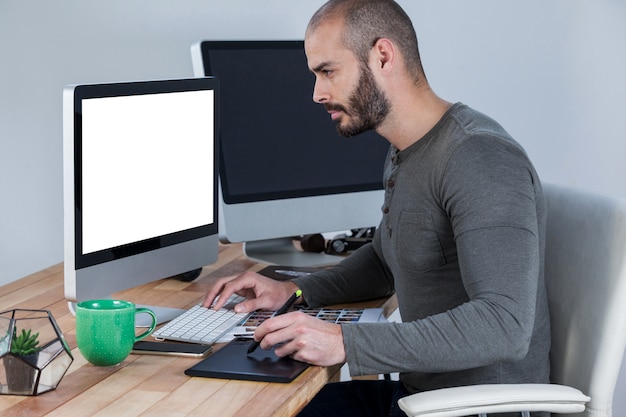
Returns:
point(89, 91)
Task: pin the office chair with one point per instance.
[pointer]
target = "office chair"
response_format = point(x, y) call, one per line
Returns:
point(586, 281)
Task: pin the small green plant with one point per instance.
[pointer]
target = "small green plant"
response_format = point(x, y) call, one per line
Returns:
point(24, 344)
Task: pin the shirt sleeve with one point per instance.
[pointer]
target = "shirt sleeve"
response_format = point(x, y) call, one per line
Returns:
point(359, 277)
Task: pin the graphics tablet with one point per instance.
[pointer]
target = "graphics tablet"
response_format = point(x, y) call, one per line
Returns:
point(233, 362)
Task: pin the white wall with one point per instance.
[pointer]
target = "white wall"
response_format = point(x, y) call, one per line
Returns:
point(45, 45)
point(552, 72)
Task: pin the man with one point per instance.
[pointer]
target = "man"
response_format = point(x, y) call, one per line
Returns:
point(460, 242)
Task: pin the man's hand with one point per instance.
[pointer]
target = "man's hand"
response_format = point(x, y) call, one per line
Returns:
point(301, 336)
point(304, 338)
point(262, 293)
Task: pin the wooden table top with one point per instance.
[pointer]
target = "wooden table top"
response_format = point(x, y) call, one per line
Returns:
point(150, 385)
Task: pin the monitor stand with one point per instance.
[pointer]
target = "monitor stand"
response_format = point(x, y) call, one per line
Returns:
point(163, 314)
point(281, 251)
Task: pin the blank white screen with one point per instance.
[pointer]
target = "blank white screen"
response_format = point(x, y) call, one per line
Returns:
point(147, 166)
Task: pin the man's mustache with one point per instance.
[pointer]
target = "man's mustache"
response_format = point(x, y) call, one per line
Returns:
point(335, 107)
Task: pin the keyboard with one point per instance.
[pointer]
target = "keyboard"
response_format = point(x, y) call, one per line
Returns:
point(202, 325)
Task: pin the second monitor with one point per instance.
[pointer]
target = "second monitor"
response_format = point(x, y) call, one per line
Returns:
point(284, 169)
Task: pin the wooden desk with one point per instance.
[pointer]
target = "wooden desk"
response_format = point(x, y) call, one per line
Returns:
point(147, 385)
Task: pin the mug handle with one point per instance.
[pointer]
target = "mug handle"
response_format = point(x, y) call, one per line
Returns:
point(152, 326)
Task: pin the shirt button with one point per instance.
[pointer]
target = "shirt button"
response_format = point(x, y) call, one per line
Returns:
point(386, 210)
point(390, 183)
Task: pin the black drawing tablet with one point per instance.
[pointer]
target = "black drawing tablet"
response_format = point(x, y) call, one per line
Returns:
point(233, 362)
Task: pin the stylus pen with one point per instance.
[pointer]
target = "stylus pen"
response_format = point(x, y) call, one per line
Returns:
point(280, 311)
point(290, 273)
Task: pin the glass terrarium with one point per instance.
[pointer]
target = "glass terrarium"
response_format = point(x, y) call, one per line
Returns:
point(34, 353)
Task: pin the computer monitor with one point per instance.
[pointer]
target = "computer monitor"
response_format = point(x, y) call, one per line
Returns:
point(140, 184)
point(284, 169)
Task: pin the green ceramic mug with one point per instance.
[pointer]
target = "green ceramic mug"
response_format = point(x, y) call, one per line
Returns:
point(105, 330)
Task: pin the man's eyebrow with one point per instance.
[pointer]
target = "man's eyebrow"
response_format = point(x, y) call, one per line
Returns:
point(321, 66)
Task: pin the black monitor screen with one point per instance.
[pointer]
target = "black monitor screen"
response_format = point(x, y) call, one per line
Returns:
point(275, 141)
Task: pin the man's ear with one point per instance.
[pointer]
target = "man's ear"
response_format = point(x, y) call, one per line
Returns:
point(384, 54)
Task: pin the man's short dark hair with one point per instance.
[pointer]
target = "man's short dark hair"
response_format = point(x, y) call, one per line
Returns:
point(366, 22)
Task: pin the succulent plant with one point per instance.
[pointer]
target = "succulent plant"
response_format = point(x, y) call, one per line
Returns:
point(25, 343)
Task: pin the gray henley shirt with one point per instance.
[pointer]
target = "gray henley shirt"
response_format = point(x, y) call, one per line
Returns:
point(461, 243)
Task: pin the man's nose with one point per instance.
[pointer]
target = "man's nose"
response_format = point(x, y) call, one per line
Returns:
point(319, 93)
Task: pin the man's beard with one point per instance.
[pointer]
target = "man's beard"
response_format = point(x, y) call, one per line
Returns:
point(368, 106)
